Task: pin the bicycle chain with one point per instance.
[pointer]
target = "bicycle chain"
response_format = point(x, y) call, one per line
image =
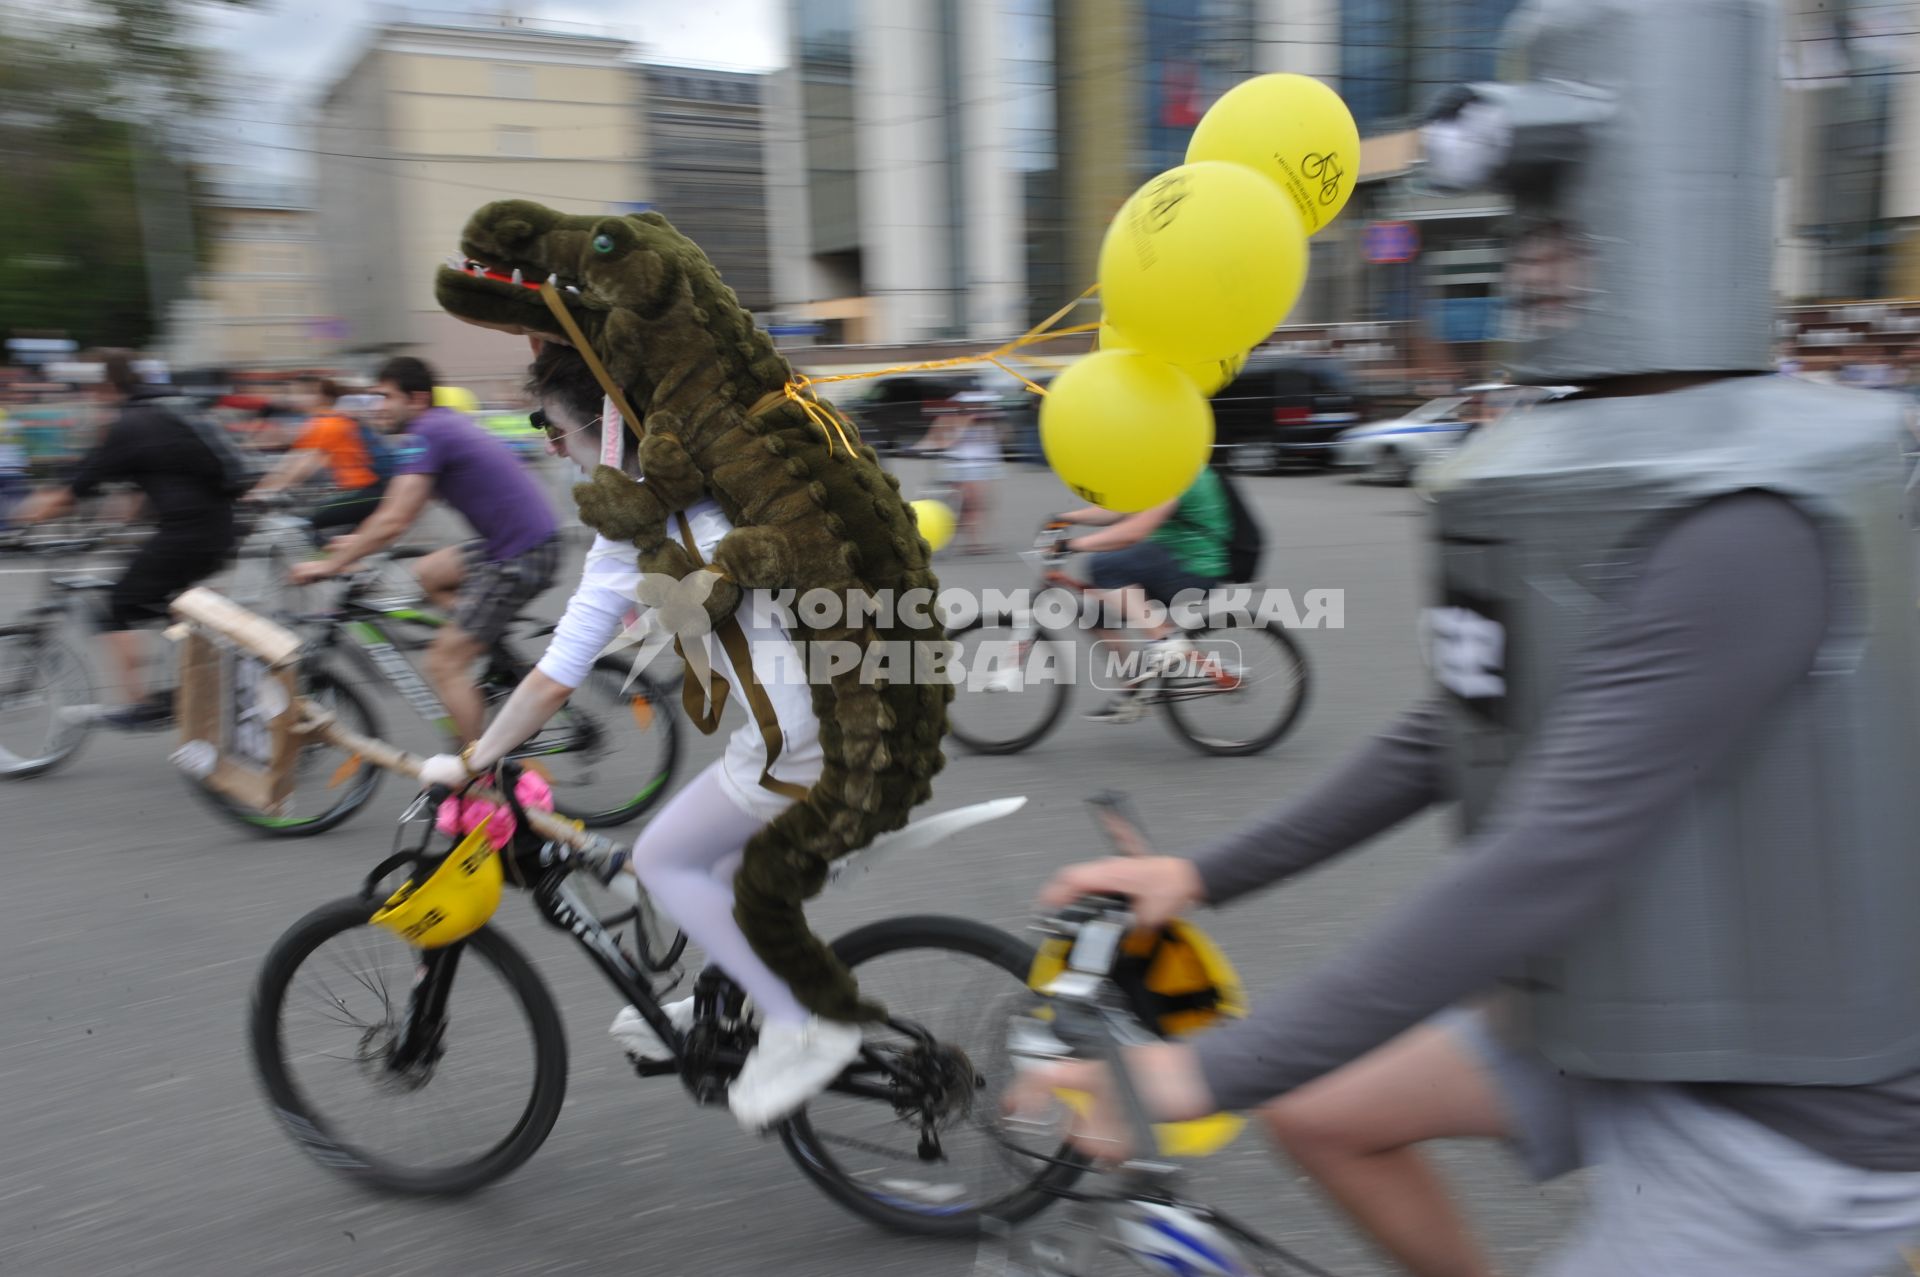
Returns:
point(846, 1141)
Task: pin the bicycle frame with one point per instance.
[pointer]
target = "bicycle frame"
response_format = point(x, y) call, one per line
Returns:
point(872, 1077)
point(1093, 1028)
point(382, 656)
point(1026, 631)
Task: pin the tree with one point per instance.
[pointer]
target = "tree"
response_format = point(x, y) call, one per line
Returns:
point(79, 94)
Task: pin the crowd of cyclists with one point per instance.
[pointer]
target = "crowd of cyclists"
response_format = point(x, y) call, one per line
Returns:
point(383, 454)
point(386, 454)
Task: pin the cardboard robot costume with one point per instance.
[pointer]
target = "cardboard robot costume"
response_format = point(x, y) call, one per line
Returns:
point(1758, 944)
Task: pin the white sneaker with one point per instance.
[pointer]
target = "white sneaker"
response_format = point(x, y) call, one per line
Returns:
point(637, 1038)
point(790, 1066)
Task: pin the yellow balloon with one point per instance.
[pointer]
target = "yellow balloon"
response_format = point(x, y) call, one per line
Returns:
point(1210, 375)
point(936, 523)
point(1125, 430)
point(458, 398)
point(1293, 130)
point(1202, 262)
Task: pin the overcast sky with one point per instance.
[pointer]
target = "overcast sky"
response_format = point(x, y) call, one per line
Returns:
point(291, 49)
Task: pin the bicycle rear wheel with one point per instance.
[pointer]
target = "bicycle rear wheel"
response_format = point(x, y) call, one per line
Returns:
point(44, 687)
point(611, 750)
point(330, 1007)
point(961, 981)
point(1247, 691)
point(1014, 688)
point(329, 786)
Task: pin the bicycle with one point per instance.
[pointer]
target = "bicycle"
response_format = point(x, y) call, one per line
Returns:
point(918, 1098)
point(1138, 1214)
point(1016, 674)
point(610, 716)
point(48, 685)
point(40, 672)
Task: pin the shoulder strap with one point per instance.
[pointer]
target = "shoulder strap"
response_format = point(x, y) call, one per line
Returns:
point(734, 642)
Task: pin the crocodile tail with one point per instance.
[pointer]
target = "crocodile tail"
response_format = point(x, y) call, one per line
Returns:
point(882, 749)
point(783, 867)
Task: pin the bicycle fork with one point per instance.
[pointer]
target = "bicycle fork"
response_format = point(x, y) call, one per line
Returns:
point(418, 1045)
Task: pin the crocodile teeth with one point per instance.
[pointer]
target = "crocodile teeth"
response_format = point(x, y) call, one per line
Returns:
point(553, 280)
point(516, 277)
point(456, 261)
point(573, 290)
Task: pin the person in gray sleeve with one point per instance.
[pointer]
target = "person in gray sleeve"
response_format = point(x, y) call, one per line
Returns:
point(1678, 703)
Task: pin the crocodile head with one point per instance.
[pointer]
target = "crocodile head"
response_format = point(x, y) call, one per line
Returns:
point(644, 297)
point(601, 265)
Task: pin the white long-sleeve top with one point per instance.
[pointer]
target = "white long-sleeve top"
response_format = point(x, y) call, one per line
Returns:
point(600, 608)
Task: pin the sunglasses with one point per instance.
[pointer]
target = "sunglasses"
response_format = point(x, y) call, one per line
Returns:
point(555, 432)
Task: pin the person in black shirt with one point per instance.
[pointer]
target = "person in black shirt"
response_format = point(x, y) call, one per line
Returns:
point(187, 486)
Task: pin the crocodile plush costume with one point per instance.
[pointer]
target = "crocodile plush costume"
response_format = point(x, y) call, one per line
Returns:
point(809, 512)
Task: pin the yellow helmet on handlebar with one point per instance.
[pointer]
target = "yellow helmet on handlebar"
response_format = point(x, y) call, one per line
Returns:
point(1176, 981)
point(454, 902)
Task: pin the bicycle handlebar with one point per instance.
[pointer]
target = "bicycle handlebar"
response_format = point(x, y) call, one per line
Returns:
point(281, 647)
point(595, 853)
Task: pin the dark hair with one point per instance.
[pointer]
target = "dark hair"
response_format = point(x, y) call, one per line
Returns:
point(411, 375)
point(559, 374)
point(325, 387)
point(116, 368)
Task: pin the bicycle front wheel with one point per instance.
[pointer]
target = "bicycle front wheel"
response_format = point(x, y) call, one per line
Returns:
point(1013, 684)
point(330, 1011)
point(961, 981)
point(1246, 690)
point(329, 785)
point(44, 692)
point(611, 750)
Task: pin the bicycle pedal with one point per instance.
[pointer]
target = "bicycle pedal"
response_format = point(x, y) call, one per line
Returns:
point(646, 1066)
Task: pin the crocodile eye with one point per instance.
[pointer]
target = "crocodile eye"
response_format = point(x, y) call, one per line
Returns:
point(603, 243)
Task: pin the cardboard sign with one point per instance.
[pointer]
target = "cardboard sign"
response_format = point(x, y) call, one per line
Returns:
point(237, 707)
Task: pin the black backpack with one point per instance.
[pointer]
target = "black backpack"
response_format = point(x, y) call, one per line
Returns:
point(236, 475)
point(1246, 542)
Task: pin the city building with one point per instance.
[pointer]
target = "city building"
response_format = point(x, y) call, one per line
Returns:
point(430, 122)
point(258, 302)
point(1850, 212)
point(891, 171)
point(942, 170)
point(947, 171)
point(707, 171)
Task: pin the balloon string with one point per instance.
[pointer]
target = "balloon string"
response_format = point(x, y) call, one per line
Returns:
point(827, 420)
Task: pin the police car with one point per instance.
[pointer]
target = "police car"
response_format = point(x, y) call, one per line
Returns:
point(1393, 451)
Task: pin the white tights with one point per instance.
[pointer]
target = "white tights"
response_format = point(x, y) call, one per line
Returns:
point(687, 857)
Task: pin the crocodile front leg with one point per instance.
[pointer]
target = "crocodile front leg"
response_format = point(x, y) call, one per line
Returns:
point(620, 509)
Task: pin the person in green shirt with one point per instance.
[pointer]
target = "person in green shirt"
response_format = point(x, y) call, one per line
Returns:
point(1153, 557)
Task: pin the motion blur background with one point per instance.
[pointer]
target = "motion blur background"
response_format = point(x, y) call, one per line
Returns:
point(246, 190)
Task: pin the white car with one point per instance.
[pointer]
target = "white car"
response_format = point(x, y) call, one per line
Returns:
point(1393, 451)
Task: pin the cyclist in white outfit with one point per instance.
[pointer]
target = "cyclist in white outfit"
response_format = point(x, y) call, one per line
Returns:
point(967, 439)
point(688, 854)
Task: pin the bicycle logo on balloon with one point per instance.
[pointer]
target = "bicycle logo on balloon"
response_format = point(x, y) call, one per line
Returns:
point(1327, 169)
point(1164, 199)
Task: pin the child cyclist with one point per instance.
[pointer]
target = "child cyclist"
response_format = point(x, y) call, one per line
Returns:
point(688, 854)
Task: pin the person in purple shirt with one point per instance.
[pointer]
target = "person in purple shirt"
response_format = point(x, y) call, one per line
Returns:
point(483, 583)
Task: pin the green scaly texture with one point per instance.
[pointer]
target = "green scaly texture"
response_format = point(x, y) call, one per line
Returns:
point(807, 514)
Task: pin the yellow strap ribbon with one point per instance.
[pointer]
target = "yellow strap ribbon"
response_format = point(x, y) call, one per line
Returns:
point(830, 423)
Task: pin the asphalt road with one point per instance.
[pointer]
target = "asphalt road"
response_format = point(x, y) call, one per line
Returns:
point(133, 1138)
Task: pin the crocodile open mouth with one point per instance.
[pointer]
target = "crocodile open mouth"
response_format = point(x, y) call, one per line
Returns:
point(471, 290)
point(516, 277)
